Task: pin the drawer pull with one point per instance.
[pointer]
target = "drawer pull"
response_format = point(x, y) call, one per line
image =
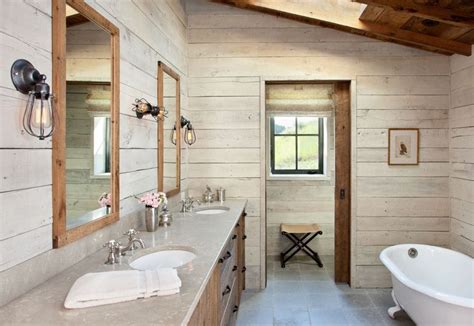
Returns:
point(227, 256)
point(234, 236)
point(237, 225)
point(244, 214)
point(244, 237)
point(244, 269)
point(236, 308)
point(234, 268)
point(226, 291)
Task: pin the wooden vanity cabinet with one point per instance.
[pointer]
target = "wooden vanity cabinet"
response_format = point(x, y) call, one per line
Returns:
point(220, 300)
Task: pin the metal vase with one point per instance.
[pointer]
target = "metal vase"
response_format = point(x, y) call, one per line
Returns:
point(152, 215)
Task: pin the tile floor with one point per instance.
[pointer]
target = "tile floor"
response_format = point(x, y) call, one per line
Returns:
point(304, 294)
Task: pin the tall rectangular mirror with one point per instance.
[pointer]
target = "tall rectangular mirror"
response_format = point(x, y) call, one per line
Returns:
point(169, 130)
point(85, 145)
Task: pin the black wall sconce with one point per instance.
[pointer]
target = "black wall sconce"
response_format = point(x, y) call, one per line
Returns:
point(142, 107)
point(189, 134)
point(38, 119)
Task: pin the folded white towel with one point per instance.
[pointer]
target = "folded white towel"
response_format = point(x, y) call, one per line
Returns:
point(95, 289)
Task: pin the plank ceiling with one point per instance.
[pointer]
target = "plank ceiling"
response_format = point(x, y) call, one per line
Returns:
point(441, 26)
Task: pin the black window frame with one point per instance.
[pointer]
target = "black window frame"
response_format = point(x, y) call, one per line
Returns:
point(296, 171)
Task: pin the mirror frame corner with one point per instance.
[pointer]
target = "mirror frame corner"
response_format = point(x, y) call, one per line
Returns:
point(62, 236)
point(162, 69)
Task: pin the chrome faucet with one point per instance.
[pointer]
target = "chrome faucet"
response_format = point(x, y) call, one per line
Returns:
point(188, 203)
point(133, 242)
point(116, 249)
point(114, 253)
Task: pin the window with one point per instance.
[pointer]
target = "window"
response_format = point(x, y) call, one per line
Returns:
point(297, 145)
point(101, 145)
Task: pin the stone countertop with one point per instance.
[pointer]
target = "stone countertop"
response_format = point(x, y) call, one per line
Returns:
point(205, 234)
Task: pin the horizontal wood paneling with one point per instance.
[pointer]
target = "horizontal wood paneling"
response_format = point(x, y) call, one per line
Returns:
point(402, 224)
point(461, 123)
point(404, 207)
point(402, 187)
point(36, 213)
point(332, 68)
point(17, 172)
point(297, 49)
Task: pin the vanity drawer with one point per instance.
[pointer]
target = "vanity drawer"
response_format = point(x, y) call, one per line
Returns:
point(229, 309)
point(228, 256)
point(228, 281)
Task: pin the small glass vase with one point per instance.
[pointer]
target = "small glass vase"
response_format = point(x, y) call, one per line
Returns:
point(152, 215)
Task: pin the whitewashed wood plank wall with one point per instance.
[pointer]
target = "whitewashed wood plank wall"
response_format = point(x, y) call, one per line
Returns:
point(231, 51)
point(461, 146)
point(149, 31)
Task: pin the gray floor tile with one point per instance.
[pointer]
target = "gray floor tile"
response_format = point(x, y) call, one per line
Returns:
point(304, 266)
point(259, 316)
point(291, 316)
point(381, 298)
point(256, 299)
point(304, 294)
point(364, 317)
point(323, 301)
point(327, 317)
point(284, 300)
point(315, 276)
point(355, 301)
point(286, 286)
point(288, 266)
point(285, 276)
point(315, 287)
point(345, 288)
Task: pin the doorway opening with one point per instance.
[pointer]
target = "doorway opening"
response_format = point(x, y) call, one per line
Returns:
point(307, 179)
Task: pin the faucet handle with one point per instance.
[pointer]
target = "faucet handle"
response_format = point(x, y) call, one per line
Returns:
point(112, 245)
point(131, 233)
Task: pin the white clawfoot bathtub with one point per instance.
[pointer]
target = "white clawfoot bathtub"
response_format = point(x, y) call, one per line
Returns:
point(434, 285)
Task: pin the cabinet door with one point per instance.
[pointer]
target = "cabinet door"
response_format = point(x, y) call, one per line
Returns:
point(206, 312)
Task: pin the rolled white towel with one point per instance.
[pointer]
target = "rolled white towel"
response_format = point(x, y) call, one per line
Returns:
point(95, 289)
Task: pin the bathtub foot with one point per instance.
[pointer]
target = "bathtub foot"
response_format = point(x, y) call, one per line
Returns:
point(393, 310)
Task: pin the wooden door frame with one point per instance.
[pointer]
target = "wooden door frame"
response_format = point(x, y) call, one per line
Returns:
point(349, 272)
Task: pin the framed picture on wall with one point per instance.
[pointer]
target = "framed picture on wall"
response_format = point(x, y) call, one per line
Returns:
point(403, 146)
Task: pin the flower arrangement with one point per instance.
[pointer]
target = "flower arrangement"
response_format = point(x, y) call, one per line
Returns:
point(105, 200)
point(153, 199)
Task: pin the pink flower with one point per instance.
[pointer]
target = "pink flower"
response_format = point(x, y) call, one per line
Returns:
point(105, 200)
point(153, 199)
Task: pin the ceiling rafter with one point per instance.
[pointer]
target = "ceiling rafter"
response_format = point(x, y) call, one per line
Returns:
point(433, 12)
point(75, 19)
point(345, 17)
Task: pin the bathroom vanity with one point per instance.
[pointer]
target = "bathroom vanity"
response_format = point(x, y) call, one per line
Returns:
point(220, 301)
point(211, 283)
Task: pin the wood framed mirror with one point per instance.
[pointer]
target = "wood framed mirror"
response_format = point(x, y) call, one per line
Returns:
point(86, 141)
point(169, 131)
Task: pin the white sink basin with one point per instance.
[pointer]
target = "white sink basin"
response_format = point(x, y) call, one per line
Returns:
point(163, 259)
point(211, 210)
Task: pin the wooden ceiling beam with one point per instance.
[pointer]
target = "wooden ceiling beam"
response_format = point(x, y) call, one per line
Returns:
point(345, 17)
point(75, 19)
point(433, 12)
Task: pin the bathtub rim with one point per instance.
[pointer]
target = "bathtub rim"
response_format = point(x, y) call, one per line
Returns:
point(403, 278)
